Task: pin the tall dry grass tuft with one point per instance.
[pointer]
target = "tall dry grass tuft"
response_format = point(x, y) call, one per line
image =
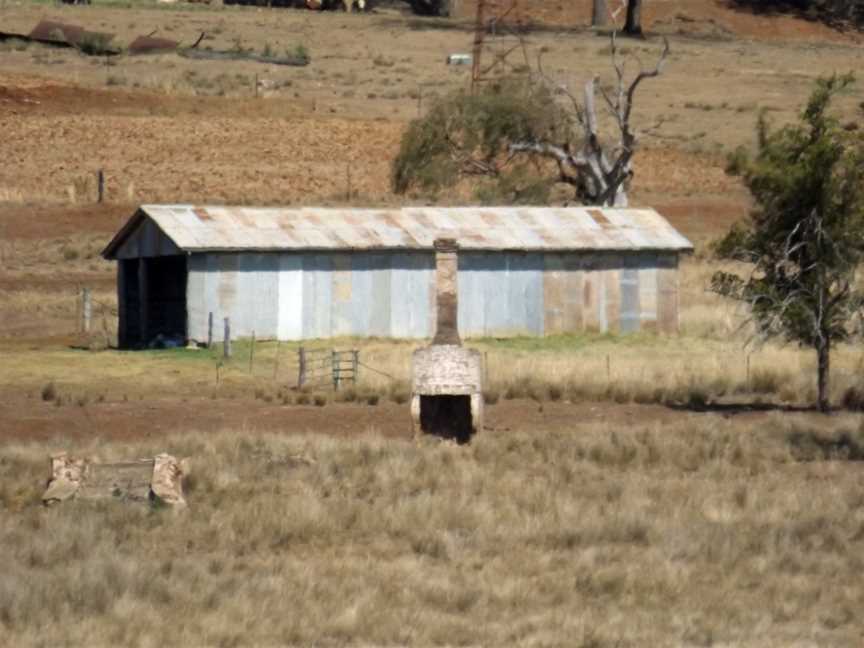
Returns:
point(11, 196)
point(519, 537)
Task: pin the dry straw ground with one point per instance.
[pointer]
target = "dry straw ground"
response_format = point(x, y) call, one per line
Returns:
point(697, 535)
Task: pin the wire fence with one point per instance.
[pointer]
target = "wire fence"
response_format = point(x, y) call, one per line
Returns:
point(317, 368)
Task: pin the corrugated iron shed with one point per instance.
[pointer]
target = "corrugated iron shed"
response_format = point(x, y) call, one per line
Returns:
point(210, 229)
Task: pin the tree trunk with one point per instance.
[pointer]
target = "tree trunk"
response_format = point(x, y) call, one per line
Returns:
point(633, 25)
point(823, 352)
point(600, 15)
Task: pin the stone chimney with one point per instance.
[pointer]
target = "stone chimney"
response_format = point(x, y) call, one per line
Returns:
point(446, 378)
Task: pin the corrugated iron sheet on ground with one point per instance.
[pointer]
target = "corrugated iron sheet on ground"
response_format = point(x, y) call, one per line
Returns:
point(198, 228)
point(49, 31)
point(148, 44)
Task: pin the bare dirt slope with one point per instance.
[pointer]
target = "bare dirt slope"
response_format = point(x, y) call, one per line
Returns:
point(715, 18)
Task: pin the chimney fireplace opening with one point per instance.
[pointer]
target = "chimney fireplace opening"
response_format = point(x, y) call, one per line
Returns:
point(447, 416)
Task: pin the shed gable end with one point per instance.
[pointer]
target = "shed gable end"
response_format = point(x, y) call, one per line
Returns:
point(147, 240)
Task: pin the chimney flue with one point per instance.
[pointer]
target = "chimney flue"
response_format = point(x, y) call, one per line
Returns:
point(446, 285)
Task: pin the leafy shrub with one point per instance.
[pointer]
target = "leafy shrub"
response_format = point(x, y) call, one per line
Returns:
point(468, 135)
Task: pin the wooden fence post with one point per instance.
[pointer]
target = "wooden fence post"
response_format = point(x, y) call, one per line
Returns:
point(210, 330)
point(226, 343)
point(301, 357)
point(86, 309)
point(355, 362)
point(334, 359)
point(486, 369)
point(252, 354)
point(100, 184)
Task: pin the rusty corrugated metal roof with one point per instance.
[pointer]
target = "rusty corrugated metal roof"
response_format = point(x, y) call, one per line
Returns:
point(195, 228)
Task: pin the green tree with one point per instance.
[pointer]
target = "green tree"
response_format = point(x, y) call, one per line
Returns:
point(804, 240)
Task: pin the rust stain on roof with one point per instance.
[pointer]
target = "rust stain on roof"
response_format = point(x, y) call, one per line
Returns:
point(600, 218)
point(202, 214)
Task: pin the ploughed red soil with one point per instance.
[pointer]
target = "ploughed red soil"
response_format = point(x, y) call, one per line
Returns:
point(26, 417)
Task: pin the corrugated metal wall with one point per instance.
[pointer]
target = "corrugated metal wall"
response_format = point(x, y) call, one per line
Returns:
point(391, 294)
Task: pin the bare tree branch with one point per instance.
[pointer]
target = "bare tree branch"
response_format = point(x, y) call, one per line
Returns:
point(602, 173)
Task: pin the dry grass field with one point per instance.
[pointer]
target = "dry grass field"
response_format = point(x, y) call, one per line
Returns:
point(627, 491)
point(700, 534)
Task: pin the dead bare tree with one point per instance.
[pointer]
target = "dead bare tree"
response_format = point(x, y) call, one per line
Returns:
point(600, 174)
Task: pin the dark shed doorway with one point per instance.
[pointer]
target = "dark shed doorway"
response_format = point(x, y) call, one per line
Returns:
point(153, 300)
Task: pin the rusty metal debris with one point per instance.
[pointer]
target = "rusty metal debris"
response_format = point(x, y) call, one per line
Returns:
point(152, 44)
point(50, 32)
point(57, 34)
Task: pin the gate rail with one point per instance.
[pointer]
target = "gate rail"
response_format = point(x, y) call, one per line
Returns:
point(327, 367)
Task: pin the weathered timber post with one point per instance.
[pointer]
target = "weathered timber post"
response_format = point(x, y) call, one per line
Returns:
point(210, 330)
point(76, 323)
point(100, 186)
point(355, 362)
point(599, 14)
point(226, 343)
point(252, 354)
point(86, 309)
point(301, 358)
point(334, 359)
